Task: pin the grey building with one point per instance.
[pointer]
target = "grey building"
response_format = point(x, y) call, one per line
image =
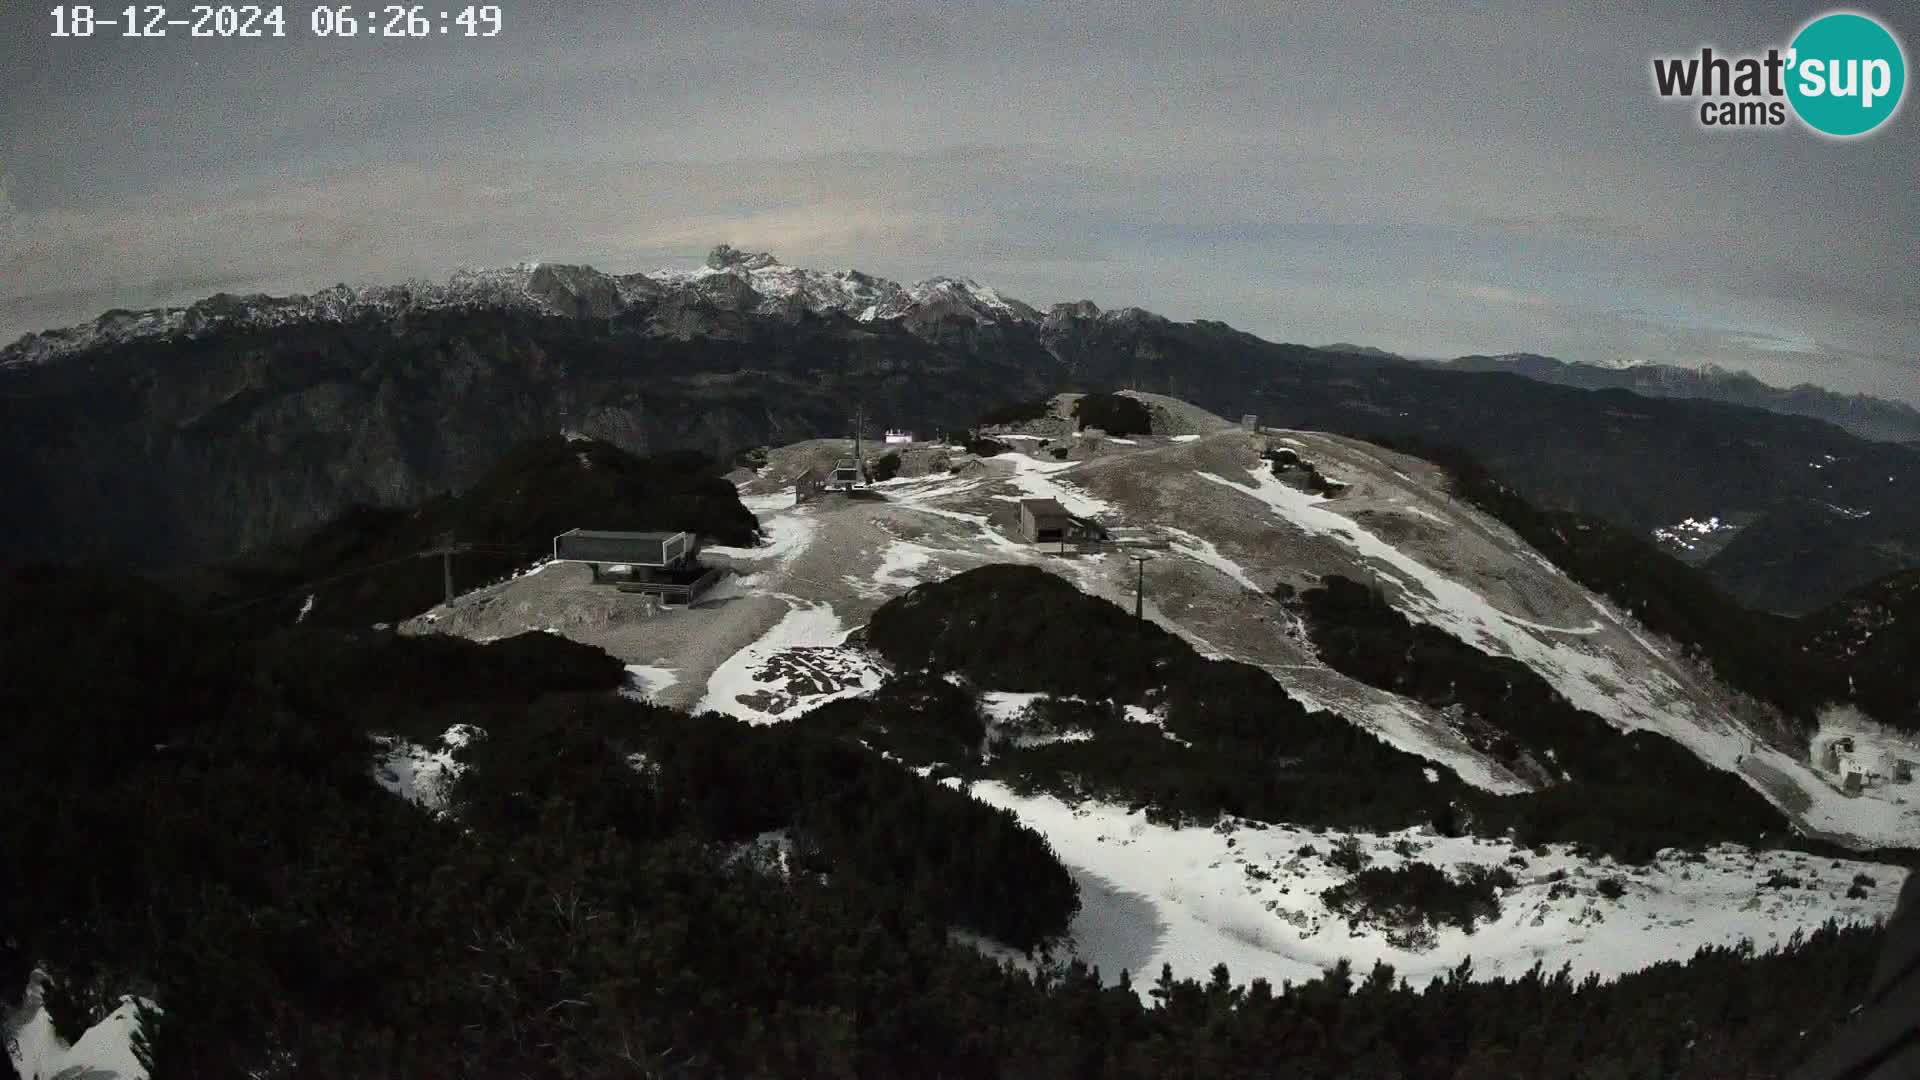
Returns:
point(847, 474)
point(1045, 521)
point(665, 564)
point(808, 486)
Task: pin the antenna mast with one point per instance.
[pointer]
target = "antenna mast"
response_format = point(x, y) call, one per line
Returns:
point(1140, 585)
point(859, 425)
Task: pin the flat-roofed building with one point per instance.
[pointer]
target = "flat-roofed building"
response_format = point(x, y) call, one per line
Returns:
point(847, 474)
point(665, 564)
point(650, 549)
point(1045, 521)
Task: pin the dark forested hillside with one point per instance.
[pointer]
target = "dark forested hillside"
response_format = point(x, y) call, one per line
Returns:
point(366, 562)
point(1639, 463)
point(241, 865)
point(1114, 414)
point(164, 453)
point(1868, 417)
point(1235, 743)
point(188, 812)
point(1625, 792)
point(1864, 648)
point(1747, 649)
point(1828, 510)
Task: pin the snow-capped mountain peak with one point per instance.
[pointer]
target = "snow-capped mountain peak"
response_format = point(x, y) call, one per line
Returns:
point(726, 257)
point(962, 296)
point(729, 278)
point(851, 292)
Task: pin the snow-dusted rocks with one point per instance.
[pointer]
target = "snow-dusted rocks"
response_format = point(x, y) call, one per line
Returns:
point(777, 287)
point(569, 291)
point(103, 1052)
point(801, 663)
point(423, 775)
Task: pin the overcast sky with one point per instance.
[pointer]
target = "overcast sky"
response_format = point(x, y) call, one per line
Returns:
point(1484, 178)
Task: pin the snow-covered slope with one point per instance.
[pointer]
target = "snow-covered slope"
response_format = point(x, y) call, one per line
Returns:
point(421, 775)
point(103, 1052)
point(1249, 895)
point(850, 292)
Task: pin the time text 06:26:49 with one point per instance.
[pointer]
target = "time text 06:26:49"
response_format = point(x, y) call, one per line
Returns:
point(255, 21)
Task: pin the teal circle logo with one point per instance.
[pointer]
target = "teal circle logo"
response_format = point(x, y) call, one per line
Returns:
point(1846, 75)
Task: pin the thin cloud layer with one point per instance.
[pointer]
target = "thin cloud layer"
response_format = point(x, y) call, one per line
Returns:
point(1477, 180)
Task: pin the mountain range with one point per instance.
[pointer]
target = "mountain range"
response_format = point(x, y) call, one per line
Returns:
point(171, 437)
point(1866, 416)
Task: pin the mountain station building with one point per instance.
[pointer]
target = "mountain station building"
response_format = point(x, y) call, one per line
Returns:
point(663, 564)
point(1045, 521)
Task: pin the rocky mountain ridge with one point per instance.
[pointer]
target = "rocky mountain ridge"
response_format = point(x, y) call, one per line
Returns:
point(1865, 415)
point(730, 279)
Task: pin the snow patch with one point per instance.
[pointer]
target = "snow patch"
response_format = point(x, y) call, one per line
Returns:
point(1400, 724)
point(645, 680)
point(1246, 896)
point(787, 537)
point(421, 775)
point(769, 852)
point(900, 567)
point(801, 663)
point(1204, 551)
point(1633, 694)
point(103, 1052)
point(1687, 532)
point(1036, 480)
point(1589, 679)
point(1156, 718)
point(1005, 706)
point(768, 503)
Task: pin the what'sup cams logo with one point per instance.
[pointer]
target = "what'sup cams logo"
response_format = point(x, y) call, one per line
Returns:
point(1843, 75)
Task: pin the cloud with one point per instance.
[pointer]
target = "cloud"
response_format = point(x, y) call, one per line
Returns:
point(837, 230)
point(1494, 294)
point(394, 222)
point(8, 213)
point(1309, 172)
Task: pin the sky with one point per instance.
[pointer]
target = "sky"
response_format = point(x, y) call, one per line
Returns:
point(1433, 179)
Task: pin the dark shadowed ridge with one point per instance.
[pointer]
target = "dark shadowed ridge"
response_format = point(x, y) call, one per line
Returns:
point(365, 566)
